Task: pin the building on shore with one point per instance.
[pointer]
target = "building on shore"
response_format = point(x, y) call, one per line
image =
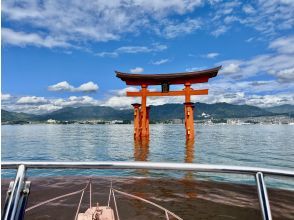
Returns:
point(51, 121)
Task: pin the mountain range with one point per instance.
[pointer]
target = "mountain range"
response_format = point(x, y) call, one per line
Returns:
point(157, 113)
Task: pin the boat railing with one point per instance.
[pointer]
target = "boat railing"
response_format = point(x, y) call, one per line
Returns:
point(19, 189)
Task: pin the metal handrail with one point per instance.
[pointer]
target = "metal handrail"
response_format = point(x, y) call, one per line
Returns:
point(263, 197)
point(147, 165)
point(13, 199)
point(257, 172)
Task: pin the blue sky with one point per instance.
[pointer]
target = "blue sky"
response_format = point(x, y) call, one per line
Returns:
point(64, 53)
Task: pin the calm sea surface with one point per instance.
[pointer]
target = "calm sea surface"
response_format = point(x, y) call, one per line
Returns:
point(270, 146)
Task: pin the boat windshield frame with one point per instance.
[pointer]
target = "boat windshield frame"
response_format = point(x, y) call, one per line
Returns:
point(19, 189)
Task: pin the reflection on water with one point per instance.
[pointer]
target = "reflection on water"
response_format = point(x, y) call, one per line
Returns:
point(252, 145)
point(141, 149)
point(189, 157)
point(141, 152)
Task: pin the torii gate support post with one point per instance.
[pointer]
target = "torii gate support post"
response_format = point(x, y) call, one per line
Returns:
point(147, 120)
point(189, 120)
point(136, 120)
point(144, 129)
point(189, 113)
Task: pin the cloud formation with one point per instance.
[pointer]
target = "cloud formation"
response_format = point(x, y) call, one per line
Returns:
point(22, 39)
point(211, 55)
point(171, 29)
point(283, 44)
point(230, 68)
point(132, 50)
point(65, 86)
point(278, 64)
point(41, 105)
point(5, 97)
point(31, 100)
point(160, 62)
point(59, 24)
point(137, 70)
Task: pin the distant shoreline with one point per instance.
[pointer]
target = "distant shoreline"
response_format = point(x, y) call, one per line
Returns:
point(268, 120)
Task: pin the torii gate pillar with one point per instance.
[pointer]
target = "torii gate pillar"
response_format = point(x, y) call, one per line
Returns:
point(189, 113)
point(147, 120)
point(189, 120)
point(136, 120)
point(144, 128)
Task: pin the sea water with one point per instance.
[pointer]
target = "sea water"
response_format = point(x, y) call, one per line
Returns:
point(266, 146)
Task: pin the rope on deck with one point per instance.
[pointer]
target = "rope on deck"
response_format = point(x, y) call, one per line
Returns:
point(109, 193)
point(115, 205)
point(147, 201)
point(166, 215)
point(79, 206)
point(56, 198)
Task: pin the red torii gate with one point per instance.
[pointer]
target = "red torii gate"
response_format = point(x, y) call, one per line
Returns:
point(141, 111)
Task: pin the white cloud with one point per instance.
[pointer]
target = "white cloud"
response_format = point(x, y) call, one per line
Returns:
point(270, 100)
point(286, 75)
point(65, 86)
point(137, 70)
point(230, 68)
point(61, 86)
point(22, 39)
point(163, 6)
point(230, 19)
point(250, 39)
point(5, 97)
point(118, 98)
point(123, 92)
point(278, 64)
point(30, 108)
point(269, 18)
point(211, 55)
point(44, 108)
point(283, 44)
point(59, 23)
point(120, 102)
point(107, 54)
point(41, 105)
point(248, 9)
point(141, 49)
point(31, 100)
point(88, 87)
point(172, 29)
point(159, 62)
point(220, 30)
point(75, 101)
point(133, 50)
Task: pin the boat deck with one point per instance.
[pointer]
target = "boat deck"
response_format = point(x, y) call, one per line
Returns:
point(186, 197)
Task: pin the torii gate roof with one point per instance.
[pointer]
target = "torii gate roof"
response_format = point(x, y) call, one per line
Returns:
point(169, 78)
